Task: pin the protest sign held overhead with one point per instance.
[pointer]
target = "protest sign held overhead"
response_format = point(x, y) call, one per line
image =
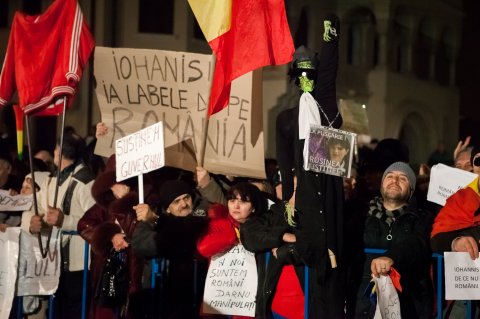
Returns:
point(140, 152)
point(446, 180)
point(140, 87)
point(330, 151)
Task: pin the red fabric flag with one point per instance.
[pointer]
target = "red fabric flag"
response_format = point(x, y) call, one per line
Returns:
point(253, 34)
point(45, 58)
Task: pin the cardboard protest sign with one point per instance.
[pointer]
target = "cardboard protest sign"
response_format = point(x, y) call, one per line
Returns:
point(37, 275)
point(330, 151)
point(139, 87)
point(462, 276)
point(446, 180)
point(140, 152)
point(231, 284)
point(8, 268)
point(354, 116)
point(14, 203)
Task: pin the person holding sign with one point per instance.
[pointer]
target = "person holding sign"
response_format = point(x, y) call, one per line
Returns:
point(109, 225)
point(74, 199)
point(243, 200)
point(394, 225)
point(171, 232)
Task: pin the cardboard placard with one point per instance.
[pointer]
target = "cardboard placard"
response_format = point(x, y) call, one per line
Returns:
point(139, 87)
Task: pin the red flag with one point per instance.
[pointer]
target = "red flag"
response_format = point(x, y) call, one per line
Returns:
point(244, 35)
point(45, 58)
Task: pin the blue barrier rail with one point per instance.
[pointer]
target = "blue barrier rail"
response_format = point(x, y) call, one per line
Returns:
point(158, 266)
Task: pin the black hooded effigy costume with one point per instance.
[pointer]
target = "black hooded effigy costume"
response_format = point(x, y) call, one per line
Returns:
point(318, 197)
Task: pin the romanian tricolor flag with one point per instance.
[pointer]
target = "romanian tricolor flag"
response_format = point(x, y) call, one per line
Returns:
point(244, 35)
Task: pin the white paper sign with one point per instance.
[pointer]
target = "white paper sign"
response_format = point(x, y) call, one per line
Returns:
point(37, 275)
point(462, 276)
point(140, 152)
point(446, 180)
point(8, 268)
point(388, 304)
point(14, 203)
point(231, 284)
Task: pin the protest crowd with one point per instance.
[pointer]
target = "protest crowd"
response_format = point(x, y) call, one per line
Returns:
point(179, 243)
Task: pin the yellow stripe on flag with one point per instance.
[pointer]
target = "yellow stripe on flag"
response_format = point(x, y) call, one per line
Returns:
point(213, 16)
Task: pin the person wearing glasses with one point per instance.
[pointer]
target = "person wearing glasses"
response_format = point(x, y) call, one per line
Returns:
point(456, 225)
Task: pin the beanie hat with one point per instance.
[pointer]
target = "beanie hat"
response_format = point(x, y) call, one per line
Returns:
point(405, 169)
point(171, 190)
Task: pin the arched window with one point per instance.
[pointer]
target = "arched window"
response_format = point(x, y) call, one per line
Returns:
point(421, 52)
point(442, 58)
point(362, 39)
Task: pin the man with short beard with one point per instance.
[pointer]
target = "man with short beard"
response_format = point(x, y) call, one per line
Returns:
point(394, 225)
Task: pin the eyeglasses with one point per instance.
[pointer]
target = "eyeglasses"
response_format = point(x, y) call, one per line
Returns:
point(476, 161)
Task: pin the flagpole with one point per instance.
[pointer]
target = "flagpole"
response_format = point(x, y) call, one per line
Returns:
point(204, 140)
point(32, 172)
point(60, 155)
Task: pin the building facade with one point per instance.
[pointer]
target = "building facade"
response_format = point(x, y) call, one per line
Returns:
point(397, 58)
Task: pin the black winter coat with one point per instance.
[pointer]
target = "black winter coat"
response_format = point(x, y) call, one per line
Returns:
point(174, 238)
point(260, 234)
point(409, 249)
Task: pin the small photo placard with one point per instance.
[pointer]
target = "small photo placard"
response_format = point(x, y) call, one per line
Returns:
point(330, 151)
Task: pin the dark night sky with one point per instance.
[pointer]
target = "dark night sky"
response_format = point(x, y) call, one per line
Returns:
point(468, 72)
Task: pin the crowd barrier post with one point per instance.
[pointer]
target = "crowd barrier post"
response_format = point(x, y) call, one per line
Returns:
point(154, 264)
point(51, 299)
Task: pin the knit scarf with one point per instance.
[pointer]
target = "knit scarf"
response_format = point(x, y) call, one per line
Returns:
point(379, 211)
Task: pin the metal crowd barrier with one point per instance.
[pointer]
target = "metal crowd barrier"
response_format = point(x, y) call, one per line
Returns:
point(439, 281)
point(158, 266)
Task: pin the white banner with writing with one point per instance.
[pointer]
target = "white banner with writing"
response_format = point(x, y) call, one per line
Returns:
point(8, 268)
point(37, 275)
point(231, 284)
point(462, 276)
point(446, 180)
point(388, 304)
point(140, 152)
point(16, 203)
